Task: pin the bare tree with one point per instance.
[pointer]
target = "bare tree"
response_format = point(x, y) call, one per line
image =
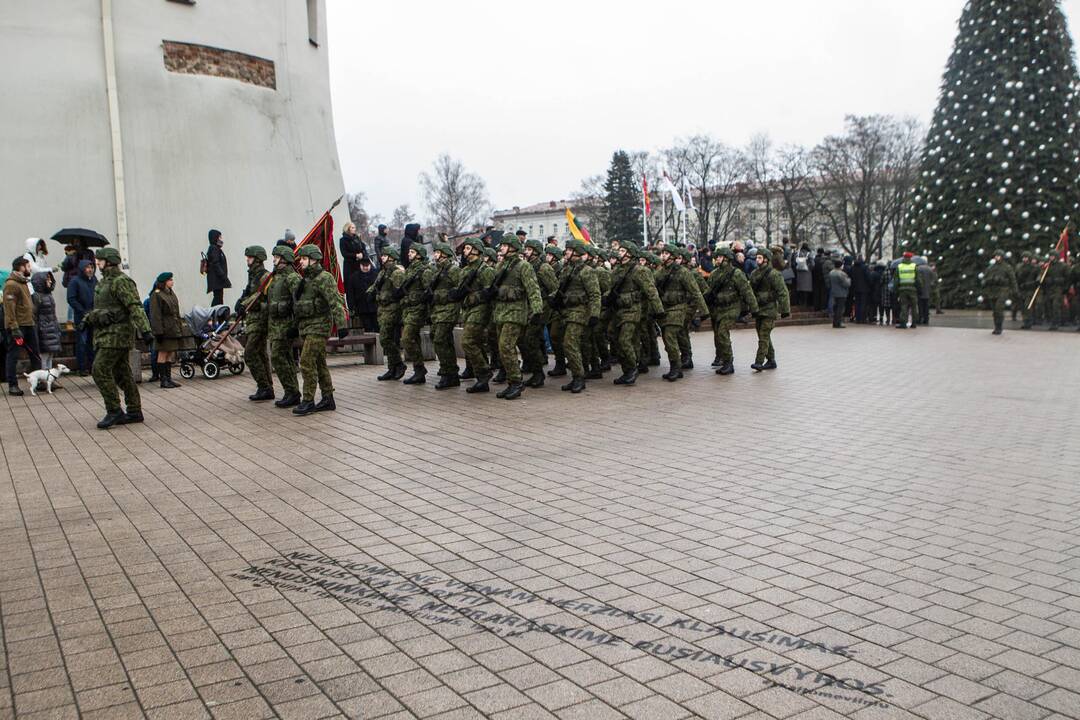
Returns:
point(866, 175)
point(357, 214)
point(761, 164)
point(455, 197)
point(402, 216)
point(588, 202)
point(716, 173)
point(793, 177)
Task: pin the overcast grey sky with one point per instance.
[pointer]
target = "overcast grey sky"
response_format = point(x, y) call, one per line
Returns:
point(536, 96)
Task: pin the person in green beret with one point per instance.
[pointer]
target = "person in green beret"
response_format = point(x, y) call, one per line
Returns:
point(171, 332)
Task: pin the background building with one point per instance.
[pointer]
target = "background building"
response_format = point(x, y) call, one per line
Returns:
point(540, 220)
point(152, 121)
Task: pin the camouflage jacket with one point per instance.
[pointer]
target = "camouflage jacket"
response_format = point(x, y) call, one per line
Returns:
point(770, 291)
point(317, 304)
point(391, 275)
point(474, 278)
point(579, 289)
point(440, 282)
point(1057, 277)
point(546, 278)
point(679, 292)
point(1027, 277)
point(517, 293)
point(414, 307)
point(633, 294)
point(1000, 281)
point(118, 312)
point(256, 315)
point(729, 291)
point(279, 301)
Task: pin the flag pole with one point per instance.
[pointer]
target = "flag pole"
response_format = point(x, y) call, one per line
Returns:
point(663, 217)
point(644, 213)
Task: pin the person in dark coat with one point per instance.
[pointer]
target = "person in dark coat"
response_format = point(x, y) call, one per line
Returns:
point(170, 330)
point(381, 242)
point(45, 322)
point(80, 297)
point(217, 268)
point(353, 252)
point(873, 296)
point(822, 266)
point(412, 235)
point(367, 307)
point(860, 288)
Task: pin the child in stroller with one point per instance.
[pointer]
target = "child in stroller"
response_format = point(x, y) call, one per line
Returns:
point(216, 348)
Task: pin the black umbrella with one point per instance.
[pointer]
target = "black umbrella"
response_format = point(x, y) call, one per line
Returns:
point(89, 238)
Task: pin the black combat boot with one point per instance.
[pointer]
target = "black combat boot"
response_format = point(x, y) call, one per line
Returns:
point(326, 404)
point(468, 373)
point(500, 376)
point(568, 386)
point(727, 368)
point(448, 381)
point(643, 368)
point(536, 380)
point(262, 393)
point(605, 365)
point(390, 374)
point(594, 372)
point(672, 375)
point(627, 378)
point(717, 362)
point(481, 384)
point(418, 377)
point(165, 371)
point(290, 399)
point(577, 385)
point(399, 371)
point(513, 391)
point(305, 408)
point(560, 368)
point(688, 363)
point(756, 366)
point(113, 417)
point(131, 417)
point(769, 365)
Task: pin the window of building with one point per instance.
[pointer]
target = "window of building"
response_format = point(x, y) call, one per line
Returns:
point(313, 22)
point(530, 231)
point(541, 233)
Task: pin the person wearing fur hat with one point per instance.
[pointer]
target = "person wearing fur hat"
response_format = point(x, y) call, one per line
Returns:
point(251, 307)
point(170, 330)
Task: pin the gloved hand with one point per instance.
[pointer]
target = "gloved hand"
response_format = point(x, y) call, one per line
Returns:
point(537, 320)
point(785, 315)
point(343, 333)
point(292, 333)
point(148, 337)
point(593, 321)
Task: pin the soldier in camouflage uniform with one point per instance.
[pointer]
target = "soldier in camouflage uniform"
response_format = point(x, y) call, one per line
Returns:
point(491, 259)
point(117, 315)
point(728, 296)
point(601, 353)
point(1000, 283)
point(1027, 279)
point(691, 322)
point(252, 309)
point(681, 297)
point(280, 326)
point(633, 295)
point(414, 311)
point(648, 338)
point(1053, 290)
point(518, 304)
point(578, 299)
point(317, 307)
point(532, 339)
point(445, 310)
point(473, 280)
point(773, 301)
point(553, 255)
point(384, 290)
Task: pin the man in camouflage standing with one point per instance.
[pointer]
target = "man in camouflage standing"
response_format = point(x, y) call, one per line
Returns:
point(772, 298)
point(117, 315)
point(473, 280)
point(578, 298)
point(681, 297)
point(280, 325)
point(728, 296)
point(516, 294)
point(388, 306)
point(317, 307)
point(1000, 283)
point(445, 310)
point(633, 295)
point(414, 311)
point(252, 309)
point(1027, 279)
point(1053, 290)
point(532, 340)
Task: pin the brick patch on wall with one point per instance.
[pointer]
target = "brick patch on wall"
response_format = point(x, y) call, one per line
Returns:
point(202, 60)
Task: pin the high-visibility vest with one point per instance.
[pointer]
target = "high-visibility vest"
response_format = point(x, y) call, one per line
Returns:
point(905, 272)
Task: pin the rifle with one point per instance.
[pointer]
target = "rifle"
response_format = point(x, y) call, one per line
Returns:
point(429, 294)
point(617, 289)
point(489, 292)
point(556, 299)
point(458, 294)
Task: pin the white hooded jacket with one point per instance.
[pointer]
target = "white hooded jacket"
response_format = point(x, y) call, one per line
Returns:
point(38, 262)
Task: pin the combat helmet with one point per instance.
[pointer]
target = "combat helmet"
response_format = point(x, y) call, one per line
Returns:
point(256, 251)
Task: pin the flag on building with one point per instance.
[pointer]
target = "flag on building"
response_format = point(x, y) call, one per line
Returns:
point(578, 231)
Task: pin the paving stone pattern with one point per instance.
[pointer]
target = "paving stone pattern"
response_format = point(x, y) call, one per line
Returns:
point(885, 527)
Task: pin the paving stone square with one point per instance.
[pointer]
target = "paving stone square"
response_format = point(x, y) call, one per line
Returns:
point(887, 526)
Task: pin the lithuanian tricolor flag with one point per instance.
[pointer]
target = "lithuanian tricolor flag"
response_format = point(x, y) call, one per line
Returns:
point(579, 232)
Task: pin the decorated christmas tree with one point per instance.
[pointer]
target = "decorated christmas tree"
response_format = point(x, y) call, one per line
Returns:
point(1001, 161)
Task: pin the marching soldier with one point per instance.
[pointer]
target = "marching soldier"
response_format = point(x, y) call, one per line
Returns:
point(678, 291)
point(578, 298)
point(1001, 287)
point(772, 299)
point(553, 254)
point(491, 259)
point(599, 352)
point(473, 281)
point(532, 341)
point(1027, 279)
point(445, 310)
point(728, 296)
point(633, 295)
point(685, 259)
point(280, 325)
point(1053, 291)
point(317, 306)
point(117, 315)
point(252, 309)
point(516, 294)
point(388, 306)
point(414, 311)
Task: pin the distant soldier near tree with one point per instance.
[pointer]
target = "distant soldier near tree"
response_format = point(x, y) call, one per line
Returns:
point(1001, 288)
point(1053, 290)
point(317, 307)
point(1027, 279)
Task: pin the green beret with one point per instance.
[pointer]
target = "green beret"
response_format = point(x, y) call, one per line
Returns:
point(391, 252)
point(444, 248)
point(284, 252)
point(512, 241)
point(309, 251)
point(553, 250)
point(536, 245)
point(163, 277)
point(108, 254)
point(255, 251)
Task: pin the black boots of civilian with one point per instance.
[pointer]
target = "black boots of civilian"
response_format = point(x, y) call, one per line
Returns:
point(165, 376)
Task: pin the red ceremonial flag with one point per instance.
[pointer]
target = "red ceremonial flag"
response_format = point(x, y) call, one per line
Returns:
point(321, 236)
point(645, 192)
point(1063, 244)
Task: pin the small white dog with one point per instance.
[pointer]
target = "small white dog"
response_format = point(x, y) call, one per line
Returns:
point(48, 377)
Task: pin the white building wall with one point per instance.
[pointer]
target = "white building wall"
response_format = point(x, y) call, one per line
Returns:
point(198, 151)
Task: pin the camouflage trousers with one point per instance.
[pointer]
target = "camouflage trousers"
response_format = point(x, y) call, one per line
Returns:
point(390, 338)
point(1053, 300)
point(410, 342)
point(493, 345)
point(627, 343)
point(313, 367)
point(557, 329)
point(650, 346)
point(112, 373)
point(281, 358)
point(600, 341)
point(674, 345)
point(474, 343)
point(442, 336)
point(531, 345)
point(509, 337)
point(257, 359)
point(909, 300)
point(765, 349)
point(722, 323)
point(998, 309)
point(572, 346)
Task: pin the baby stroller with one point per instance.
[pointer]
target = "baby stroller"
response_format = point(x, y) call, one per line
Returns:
point(215, 347)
